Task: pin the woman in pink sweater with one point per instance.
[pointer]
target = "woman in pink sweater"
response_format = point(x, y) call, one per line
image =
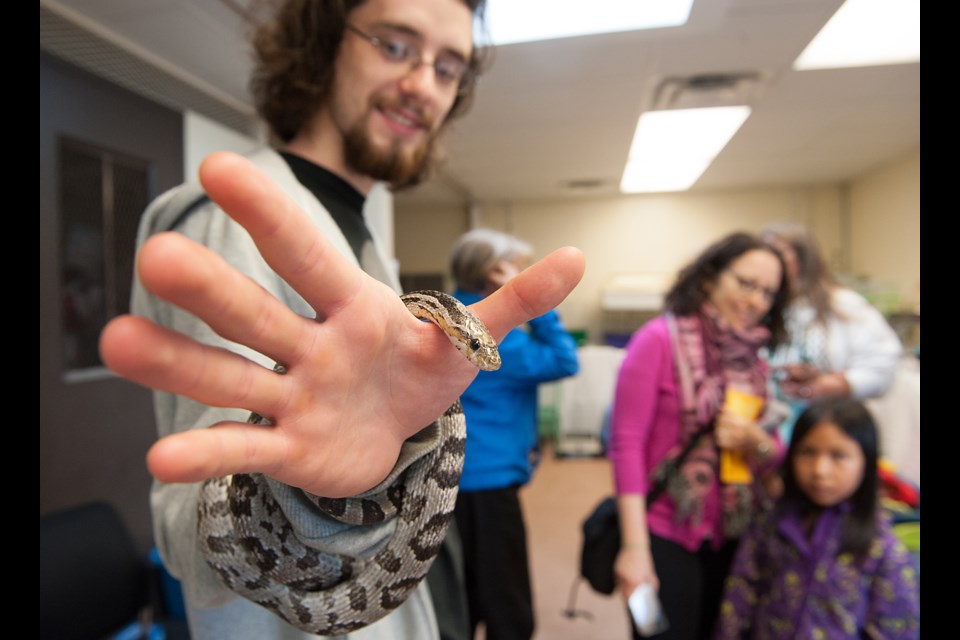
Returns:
point(723, 311)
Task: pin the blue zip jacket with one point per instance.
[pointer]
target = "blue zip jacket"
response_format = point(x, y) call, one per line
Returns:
point(501, 406)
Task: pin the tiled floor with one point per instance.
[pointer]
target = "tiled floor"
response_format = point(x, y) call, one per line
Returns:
point(560, 496)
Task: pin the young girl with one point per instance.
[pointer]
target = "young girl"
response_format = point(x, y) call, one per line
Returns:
point(824, 562)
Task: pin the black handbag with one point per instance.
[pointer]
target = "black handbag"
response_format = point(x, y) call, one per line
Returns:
point(601, 543)
point(601, 530)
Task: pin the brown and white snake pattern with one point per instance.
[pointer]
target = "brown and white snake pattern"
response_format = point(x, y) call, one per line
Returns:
point(251, 544)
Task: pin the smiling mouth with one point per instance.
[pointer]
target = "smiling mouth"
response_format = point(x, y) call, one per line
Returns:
point(403, 115)
point(402, 119)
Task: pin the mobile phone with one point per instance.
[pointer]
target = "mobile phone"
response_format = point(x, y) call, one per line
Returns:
point(646, 611)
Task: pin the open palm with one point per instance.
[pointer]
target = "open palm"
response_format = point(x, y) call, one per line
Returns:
point(362, 377)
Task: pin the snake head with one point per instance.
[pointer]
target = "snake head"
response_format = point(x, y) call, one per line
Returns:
point(465, 330)
point(481, 350)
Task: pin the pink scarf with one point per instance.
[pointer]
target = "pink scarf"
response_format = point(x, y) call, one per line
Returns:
point(715, 355)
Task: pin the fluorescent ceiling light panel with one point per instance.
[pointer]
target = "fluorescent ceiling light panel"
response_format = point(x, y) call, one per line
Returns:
point(866, 33)
point(511, 21)
point(672, 148)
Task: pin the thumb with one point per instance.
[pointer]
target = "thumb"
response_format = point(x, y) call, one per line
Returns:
point(534, 291)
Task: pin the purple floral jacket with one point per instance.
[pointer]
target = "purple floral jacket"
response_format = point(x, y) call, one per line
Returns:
point(785, 586)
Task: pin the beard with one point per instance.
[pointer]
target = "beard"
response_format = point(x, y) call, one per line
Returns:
point(398, 165)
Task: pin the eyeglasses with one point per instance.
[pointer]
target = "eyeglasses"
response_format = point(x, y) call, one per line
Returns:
point(449, 69)
point(748, 287)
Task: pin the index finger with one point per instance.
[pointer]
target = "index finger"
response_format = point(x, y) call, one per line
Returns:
point(288, 239)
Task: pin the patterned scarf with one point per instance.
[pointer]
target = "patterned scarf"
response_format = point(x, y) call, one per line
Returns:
point(714, 355)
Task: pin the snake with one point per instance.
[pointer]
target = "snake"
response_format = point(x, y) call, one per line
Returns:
point(249, 542)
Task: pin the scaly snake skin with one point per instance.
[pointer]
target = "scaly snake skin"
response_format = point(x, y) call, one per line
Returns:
point(249, 542)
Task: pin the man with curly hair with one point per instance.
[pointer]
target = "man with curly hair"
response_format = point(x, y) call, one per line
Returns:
point(272, 263)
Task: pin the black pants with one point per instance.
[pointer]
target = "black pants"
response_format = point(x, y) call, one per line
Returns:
point(448, 590)
point(495, 561)
point(691, 587)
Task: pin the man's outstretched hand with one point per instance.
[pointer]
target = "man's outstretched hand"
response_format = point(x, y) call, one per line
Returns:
point(361, 378)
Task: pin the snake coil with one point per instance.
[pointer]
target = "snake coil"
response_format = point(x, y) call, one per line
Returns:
point(248, 540)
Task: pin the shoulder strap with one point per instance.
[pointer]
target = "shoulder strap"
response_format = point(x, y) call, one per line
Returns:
point(683, 369)
point(184, 202)
point(687, 407)
point(193, 206)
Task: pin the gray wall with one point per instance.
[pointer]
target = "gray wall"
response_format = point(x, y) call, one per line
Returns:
point(95, 429)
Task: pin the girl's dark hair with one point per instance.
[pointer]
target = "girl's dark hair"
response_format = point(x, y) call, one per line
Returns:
point(691, 288)
point(294, 55)
point(855, 420)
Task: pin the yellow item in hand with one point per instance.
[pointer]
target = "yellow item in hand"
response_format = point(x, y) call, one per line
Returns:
point(743, 403)
point(733, 466)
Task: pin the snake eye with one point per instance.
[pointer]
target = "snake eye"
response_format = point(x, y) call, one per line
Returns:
point(474, 344)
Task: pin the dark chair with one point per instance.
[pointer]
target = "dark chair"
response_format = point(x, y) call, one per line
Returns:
point(93, 581)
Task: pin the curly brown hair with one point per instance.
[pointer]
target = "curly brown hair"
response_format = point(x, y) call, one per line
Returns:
point(294, 53)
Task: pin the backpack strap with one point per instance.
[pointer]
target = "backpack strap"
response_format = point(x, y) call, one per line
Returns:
point(176, 206)
point(194, 204)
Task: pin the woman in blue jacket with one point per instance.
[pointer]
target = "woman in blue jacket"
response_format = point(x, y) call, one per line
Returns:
point(502, 439)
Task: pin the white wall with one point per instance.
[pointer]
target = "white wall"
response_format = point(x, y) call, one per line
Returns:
point(202, 136)
point(885, 218)
point(657, 234)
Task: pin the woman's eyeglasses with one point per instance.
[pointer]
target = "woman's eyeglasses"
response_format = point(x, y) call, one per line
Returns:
point(750, 286)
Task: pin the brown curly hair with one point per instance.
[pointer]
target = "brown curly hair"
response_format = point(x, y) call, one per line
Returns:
point(294, 53)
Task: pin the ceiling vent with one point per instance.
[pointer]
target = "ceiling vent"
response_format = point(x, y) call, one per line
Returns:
point(706, 90)
point(583, 184)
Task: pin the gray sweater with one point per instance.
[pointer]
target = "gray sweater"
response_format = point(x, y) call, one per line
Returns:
point(214, 612)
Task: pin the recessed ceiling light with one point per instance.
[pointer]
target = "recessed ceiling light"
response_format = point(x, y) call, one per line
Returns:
point(511, 21)
point(866, 33)
point(672, 148)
